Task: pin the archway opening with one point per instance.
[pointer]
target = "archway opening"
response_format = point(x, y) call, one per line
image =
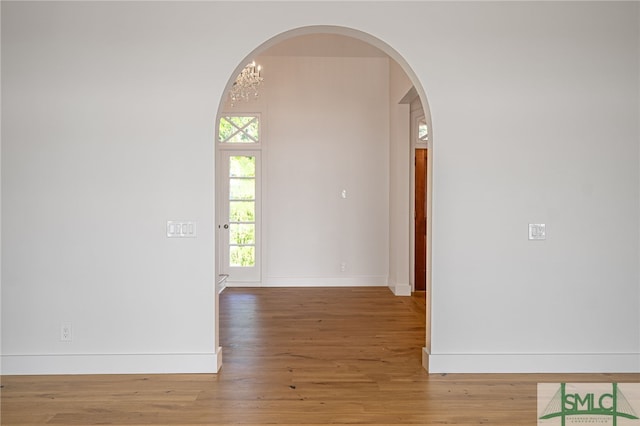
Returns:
point(332, 168)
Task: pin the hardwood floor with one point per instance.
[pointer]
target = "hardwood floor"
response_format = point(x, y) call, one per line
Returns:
point(298, 357)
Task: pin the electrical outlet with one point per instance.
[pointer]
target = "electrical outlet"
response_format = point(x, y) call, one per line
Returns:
point(66, 332)
point(343, 266)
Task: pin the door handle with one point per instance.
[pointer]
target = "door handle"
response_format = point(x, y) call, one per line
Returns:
point(226, 226)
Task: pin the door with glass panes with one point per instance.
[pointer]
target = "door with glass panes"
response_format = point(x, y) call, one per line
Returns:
point(239, 198)
point(240, 209)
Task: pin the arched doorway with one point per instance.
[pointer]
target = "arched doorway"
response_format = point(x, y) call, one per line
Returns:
point(329, 169)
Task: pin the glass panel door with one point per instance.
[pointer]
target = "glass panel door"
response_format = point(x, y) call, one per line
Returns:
point(240, 213)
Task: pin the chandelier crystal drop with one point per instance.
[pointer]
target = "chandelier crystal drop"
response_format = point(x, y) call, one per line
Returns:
point(246, 85)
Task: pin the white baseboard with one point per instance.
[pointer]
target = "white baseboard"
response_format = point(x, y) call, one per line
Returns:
point(211, 363)
point(401, 289)
point(533, 363)
point(112, 363)
point(332, 281)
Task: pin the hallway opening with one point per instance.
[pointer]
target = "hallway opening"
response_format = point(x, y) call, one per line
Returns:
point(335, 159)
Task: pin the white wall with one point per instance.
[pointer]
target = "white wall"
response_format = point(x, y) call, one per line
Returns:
point(106, 136)
point(326, 131)
point(535, 122)
point(108, 113)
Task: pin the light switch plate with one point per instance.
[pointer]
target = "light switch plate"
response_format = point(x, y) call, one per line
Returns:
point(181, 229)
point(537, 231)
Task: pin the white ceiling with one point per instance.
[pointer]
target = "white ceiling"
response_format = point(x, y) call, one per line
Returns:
point(329, 45)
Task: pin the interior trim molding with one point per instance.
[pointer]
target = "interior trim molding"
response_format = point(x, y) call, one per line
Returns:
point(329, 281)
point(218, 359)
point(401, 289)
point(535, 363)
point(184, 363)
point(425, 359)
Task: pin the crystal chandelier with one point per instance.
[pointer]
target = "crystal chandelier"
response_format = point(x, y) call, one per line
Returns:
point(246, 85)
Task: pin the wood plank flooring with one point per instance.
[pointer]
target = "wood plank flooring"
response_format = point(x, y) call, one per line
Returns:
point(299, 357)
